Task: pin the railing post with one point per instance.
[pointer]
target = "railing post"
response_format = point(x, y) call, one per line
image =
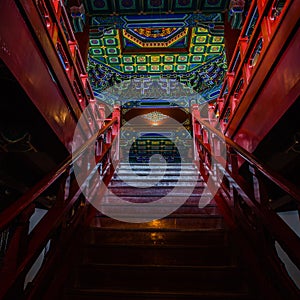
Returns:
point(64, 188)
point(211, 115)
point(116, 114)
point(84, 78)
point(230, 79)
point(196, 129)
point(16, 251)
point(17, 247)
point(56, 5)
point(243, 43)
point(234, 102)
point(261, 5)
point(72, 46)
point(102, 116)
point(259, 189)
point(220, 102)
point(92, 104)
point(116, 131)
point(246, 72)
point(108, 136)
point(99, 146)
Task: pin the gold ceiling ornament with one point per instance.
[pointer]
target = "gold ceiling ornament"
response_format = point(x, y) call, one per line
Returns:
point(155, 116)
point(155, 32)
point(155, 44)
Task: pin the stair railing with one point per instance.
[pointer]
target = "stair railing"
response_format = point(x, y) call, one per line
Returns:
point(21, 246)
point(57, 24)
point(259, 29)
point(251, 196)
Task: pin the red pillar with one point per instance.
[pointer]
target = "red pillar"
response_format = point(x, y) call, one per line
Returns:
point(83, 41)
point(81, 37)
point(231, 37)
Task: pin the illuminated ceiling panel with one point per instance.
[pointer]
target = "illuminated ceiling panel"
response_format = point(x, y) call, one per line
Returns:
point(184, 46)
point(186, 54)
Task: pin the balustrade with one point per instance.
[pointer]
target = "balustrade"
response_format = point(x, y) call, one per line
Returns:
point(259, 29)
point(21, 249)
point(57, 23)
point(256, 198)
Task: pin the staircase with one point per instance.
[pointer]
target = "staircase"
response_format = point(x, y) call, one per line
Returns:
point(185, 255)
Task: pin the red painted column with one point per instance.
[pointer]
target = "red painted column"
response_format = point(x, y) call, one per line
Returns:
point(83, 41)
point(231, 37)
point(81, 37)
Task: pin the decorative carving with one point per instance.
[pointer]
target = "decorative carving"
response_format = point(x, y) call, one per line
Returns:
point(236, 9)
point(78, 16)
point(154, 116)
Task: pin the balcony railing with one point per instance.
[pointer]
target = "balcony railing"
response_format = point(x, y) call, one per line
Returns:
point(258, 31)
point(23, 250)
point(254, 199)
point(57, 23)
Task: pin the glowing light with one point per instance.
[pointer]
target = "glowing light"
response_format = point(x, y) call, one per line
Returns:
point(155, 117)
point(156, 223)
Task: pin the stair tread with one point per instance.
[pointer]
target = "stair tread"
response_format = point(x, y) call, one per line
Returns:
point(182, 165)
point(202, 293)
point(150, 236)
point(145, 172)
point(159, 195)
point(156, 246)
point(130, 191)
point(134, 229)
point(189, 215)
point(172, 223)
point(162, 279)
point(159, 255)
point(183, 255)
point(230, 267)
point(162, 183)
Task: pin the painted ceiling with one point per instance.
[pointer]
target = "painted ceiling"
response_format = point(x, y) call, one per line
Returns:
point(133, 7)
point(183, 46)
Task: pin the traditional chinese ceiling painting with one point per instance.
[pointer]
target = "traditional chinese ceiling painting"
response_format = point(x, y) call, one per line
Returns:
point(182, 46)
point(127, 53)
point(128, 7)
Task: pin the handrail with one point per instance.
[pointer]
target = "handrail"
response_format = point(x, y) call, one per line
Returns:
point(56, 20)
point(263, 31)
point(236, 53)
point(66, 19)
point(246, 23)
point(246, 204)
point(20, 257)
point(18, 206)
point(24, 247)
point(280, 181)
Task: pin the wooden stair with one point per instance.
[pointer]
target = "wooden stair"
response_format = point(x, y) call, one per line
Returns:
point(186, 255)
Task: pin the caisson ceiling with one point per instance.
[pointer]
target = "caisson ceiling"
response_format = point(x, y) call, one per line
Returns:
point(181, 40)
point(133, 7)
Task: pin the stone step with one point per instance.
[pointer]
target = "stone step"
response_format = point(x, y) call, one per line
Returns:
point(192, 200)
point(114, 294)
point(155, 236)
point(152, 211)
point(158, 277)
point(161, 183)
point(145, 172)
point(158, 254)
point(153, 166)
point(155, 178)
point(168, 222)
